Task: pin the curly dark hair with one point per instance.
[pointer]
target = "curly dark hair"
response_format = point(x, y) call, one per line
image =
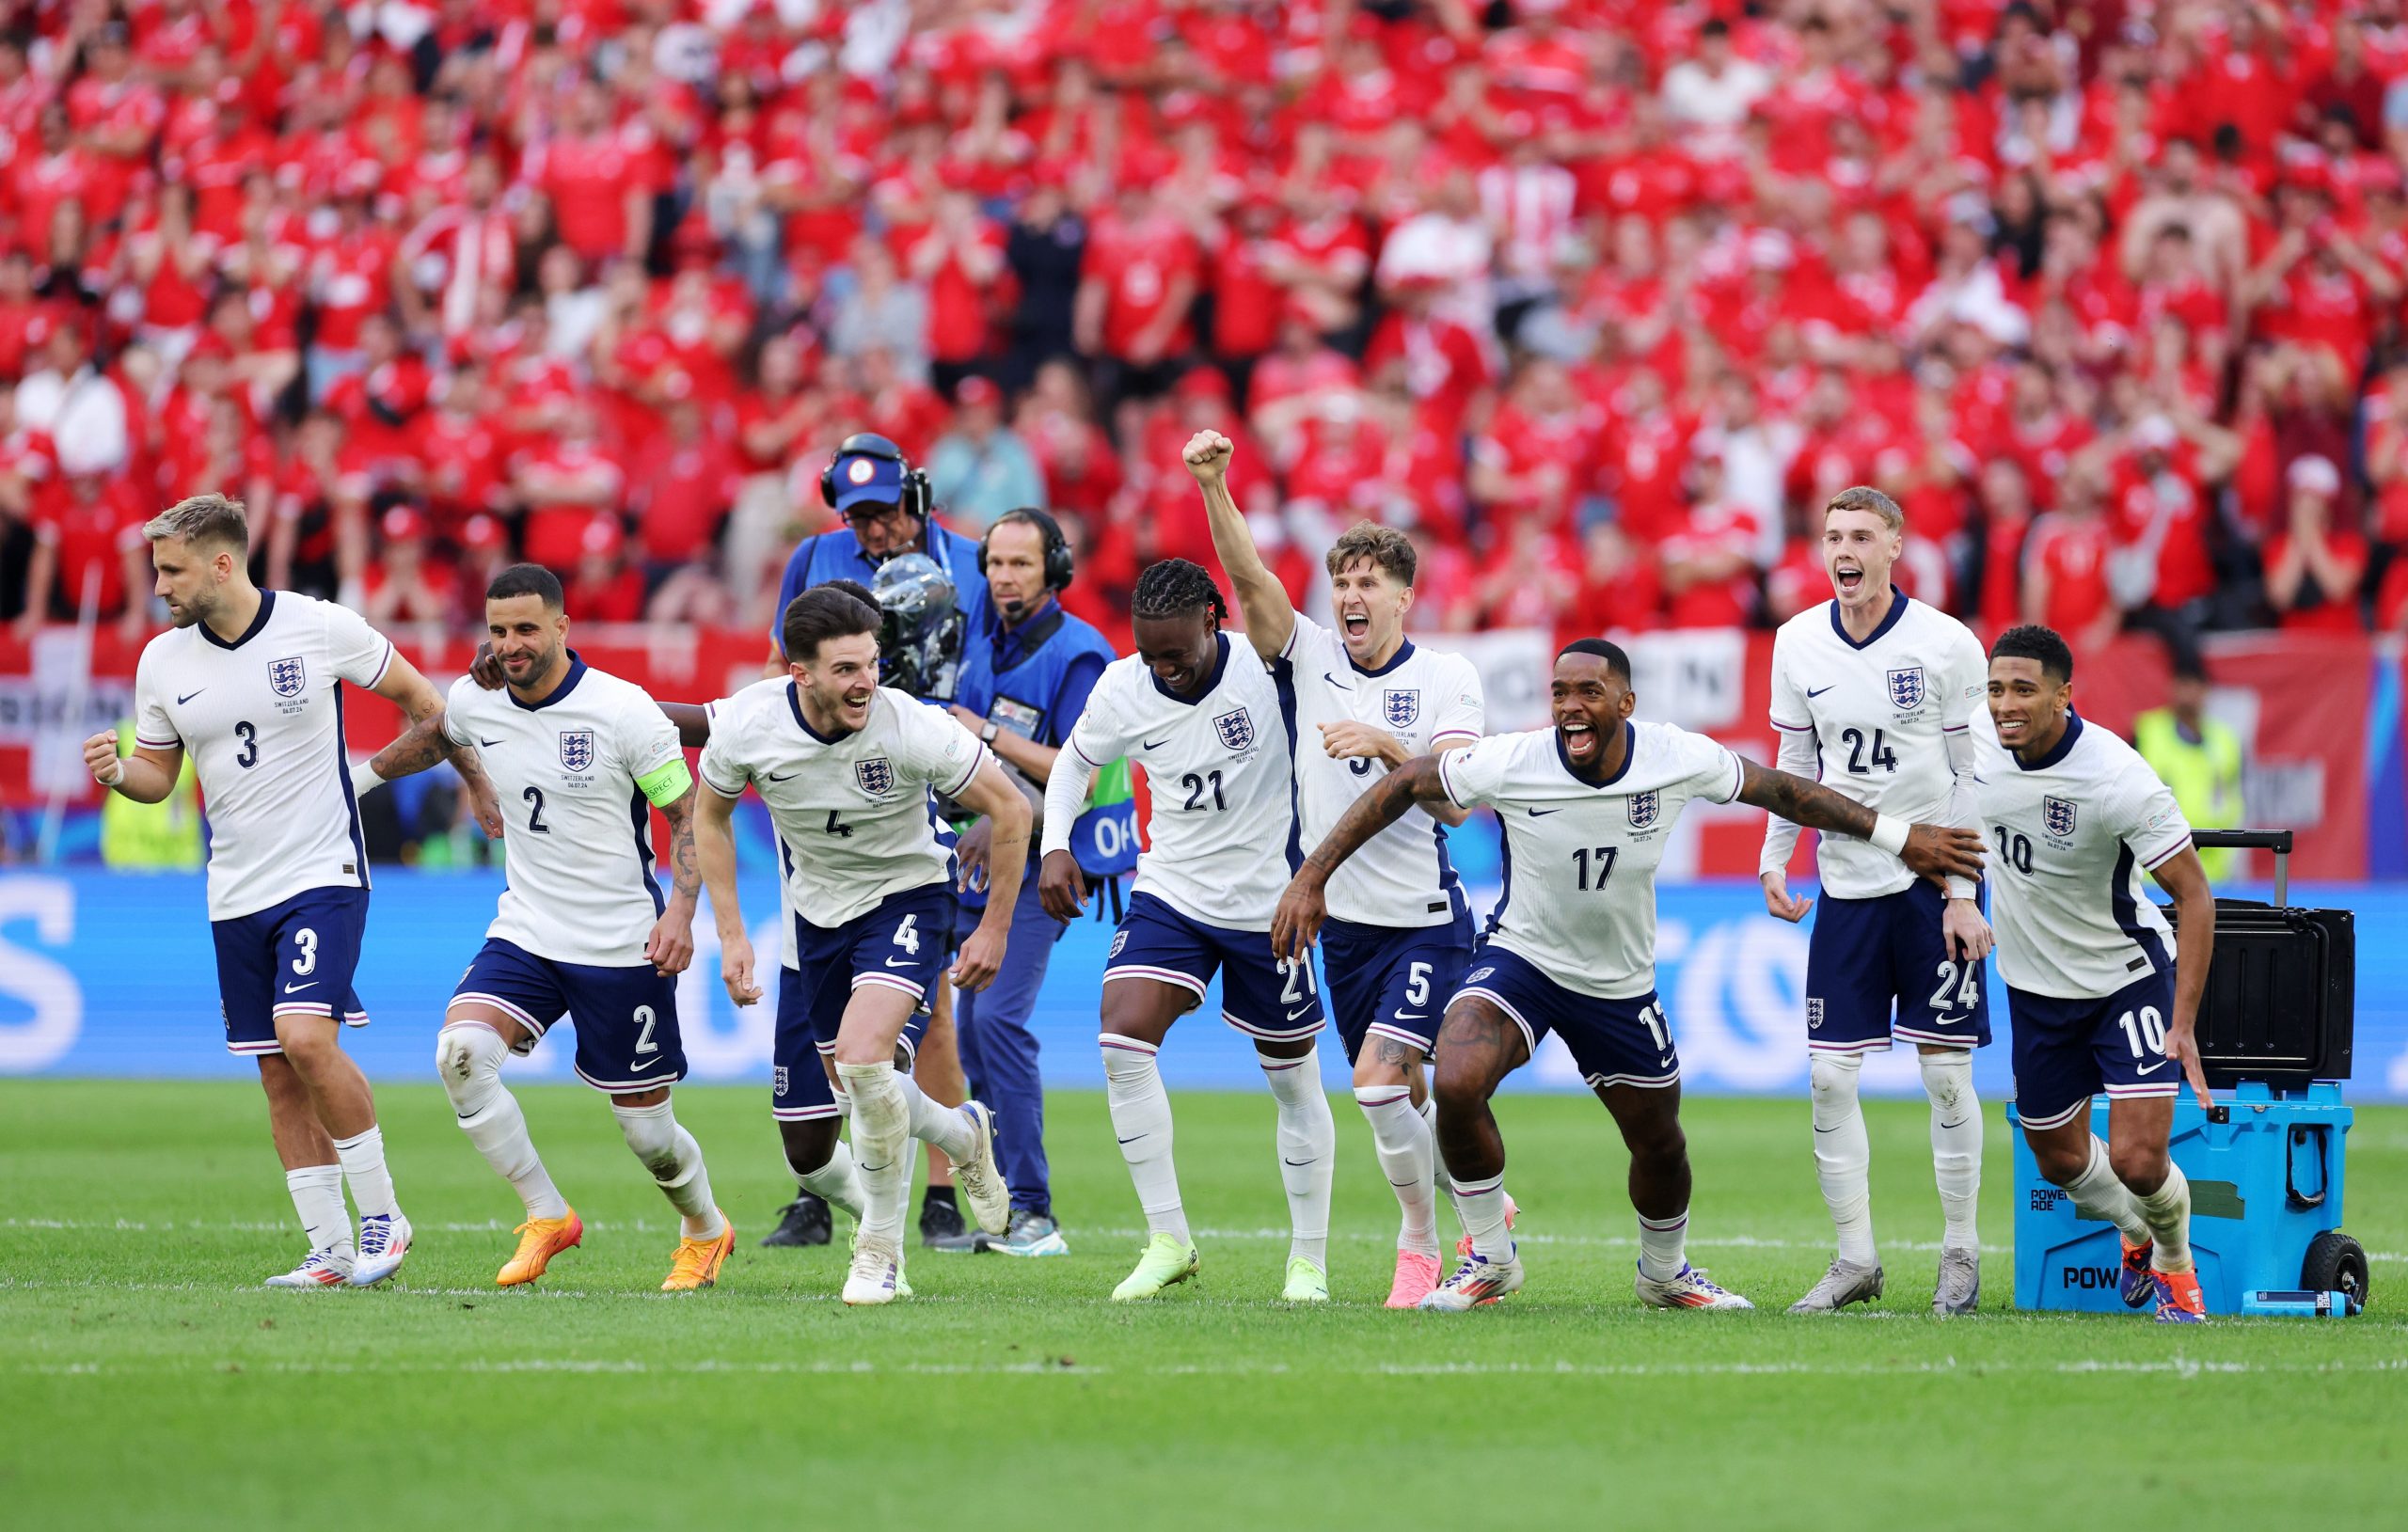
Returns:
point(1174, 588)
point(2036, 644)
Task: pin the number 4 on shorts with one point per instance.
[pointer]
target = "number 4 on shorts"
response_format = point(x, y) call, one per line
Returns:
point(906, 935)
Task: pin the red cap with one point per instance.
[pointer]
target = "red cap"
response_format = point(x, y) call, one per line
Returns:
point(974, 389)
point(480, 532)
point(602, 536)
point(402, 524)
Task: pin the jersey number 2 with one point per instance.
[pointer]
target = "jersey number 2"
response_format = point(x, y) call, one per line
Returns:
point(534, 797)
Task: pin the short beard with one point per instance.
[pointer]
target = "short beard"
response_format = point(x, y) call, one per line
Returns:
point(196, 612)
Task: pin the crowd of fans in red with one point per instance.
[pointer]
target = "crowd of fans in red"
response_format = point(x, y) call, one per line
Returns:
point(1598, 298)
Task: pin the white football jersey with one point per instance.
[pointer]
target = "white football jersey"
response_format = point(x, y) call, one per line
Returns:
point(853, 814)
point(1580, 859)
point(1879, 712)
point(1220, 771)
point(262, 718)
point(2070, 838)
point(570, 772)
point(1402, 878)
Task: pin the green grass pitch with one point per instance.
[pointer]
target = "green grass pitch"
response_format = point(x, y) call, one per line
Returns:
point(147, 1382)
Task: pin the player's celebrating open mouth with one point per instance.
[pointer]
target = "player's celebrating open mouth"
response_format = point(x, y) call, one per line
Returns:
point(1367, 700)
point(250, 681)
point(582, 928)
point(1203, 715)
point(846, 768)
point(1587, 806)
point(2075, 815)
point(1871, 693)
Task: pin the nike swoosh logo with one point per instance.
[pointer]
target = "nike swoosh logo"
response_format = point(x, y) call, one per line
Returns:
point(296, 988)
point(639, 1068)
point(901, 962)
point(1156, 743)
point(776, 777)
point(1335, 682)
point(1538, 813)
point(1133, 1138)
point(1664, 1063)
point(2151, 1071)
point(1298, 1164)
point(188, 697)
point(1298, 1015)
point(1819, 693)
point(1412, 1015)
point(486, 744)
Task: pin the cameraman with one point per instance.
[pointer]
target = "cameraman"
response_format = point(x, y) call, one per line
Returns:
point(1027, 666)
point(886, 508)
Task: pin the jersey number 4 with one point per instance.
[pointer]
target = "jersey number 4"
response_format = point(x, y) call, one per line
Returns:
point(1858, 763)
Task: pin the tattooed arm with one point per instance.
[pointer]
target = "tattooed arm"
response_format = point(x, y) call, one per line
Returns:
point(672, 945)
point(422, 745)
point(1936, 851)
point(1301, 908)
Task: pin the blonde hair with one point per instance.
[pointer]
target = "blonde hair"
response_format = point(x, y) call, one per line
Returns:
point(202, 519)
point(1865, 497)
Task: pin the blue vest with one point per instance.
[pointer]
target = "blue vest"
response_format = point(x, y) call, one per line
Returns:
point(837, 556)
point(1024, 696)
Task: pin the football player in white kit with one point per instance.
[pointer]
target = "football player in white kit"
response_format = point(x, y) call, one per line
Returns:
point(846, 768)
point(251, 683)
point(2074, 816)
point(1588, 808)
point(581, 757)
point(1872, 694)
point(1204, 717)
point(1367, 701)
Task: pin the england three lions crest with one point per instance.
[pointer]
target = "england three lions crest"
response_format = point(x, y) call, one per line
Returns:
point(1236, 729)
point(875, 776)
point(1906, 688)
point(1643, 809)
point(287, 677)
point(1401, 708)
point(2057, 816)
point(576, 749)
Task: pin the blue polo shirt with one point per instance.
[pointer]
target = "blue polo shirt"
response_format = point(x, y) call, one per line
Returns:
point(837, 556)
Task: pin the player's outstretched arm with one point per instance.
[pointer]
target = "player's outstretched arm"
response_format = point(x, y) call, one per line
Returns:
point(670, 946)
point(1297, 921)
point(991, 794)
point(1937, 851)
point(693, 721)
point(2195, 946)
point(1269, 617)
point(1061, 889)
point(406, 688)
point(715, 857)
point(147, 776)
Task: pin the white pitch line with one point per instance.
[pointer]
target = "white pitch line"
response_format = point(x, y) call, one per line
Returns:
point(2178, 1367)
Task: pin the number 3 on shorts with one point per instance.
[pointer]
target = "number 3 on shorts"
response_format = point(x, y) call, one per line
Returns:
point(906, 935)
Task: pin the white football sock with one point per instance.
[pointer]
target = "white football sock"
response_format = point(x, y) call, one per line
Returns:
point(1438, 1161)
point(838, 1183)
point(467, 1057)
point(1307, 1150)
point(1956, 1145)
point(363, 1167)
point(317, 1196)
point(2098, 1193)
point(1482, 1206)
point(932, 1123)
point(1141, 1120)
point(1401, 1140)
point(1663, 1246)
point(882, 1141)
point(675, 1160)
point(1843, 1156)
point(2167, 1211)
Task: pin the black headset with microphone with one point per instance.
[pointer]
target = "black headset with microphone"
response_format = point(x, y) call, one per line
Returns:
point(913, 498)
point(1059, 563)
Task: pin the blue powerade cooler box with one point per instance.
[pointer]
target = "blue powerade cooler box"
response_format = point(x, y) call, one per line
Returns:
point(2267, 1165)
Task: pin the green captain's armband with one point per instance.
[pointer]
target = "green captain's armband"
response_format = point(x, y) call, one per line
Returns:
point(667, 782)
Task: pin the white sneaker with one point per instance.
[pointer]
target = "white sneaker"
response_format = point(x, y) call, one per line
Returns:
point(322, 1269)
point(1689, 1289)
point(979, 1180)
point(876, 1271)
point(383, 1239)
point(1476, 1281)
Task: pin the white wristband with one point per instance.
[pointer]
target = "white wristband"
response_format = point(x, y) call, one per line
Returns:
point(116, 773)
point(1889, 834)
point(364, 776)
